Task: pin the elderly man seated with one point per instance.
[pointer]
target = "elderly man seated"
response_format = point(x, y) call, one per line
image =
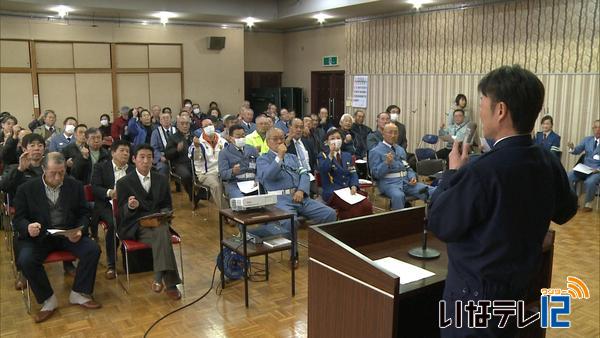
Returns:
point(281, 174)
point(237, 162)
point(591, 163)
point(395, 178)
point(44, 205)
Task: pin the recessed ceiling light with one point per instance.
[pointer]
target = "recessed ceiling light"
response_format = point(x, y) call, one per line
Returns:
point(62, 10)
point(250, 21)
point(321, 17)
point(418, 3)
point(145, 23)
point(224, 26)
point(164, 16)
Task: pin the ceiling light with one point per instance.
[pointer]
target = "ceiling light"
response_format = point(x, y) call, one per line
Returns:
point(321, 17)
point(250, 21)
point(418, 3)
point(62, 11)
point(224, 26)
point(145, 23)
point(164, 16)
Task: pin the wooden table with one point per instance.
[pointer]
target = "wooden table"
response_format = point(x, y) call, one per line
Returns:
point(247, 250)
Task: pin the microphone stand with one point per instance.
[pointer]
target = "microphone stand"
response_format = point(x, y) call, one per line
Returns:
point(423, 252)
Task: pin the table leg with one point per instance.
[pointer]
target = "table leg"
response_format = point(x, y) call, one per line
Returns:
point(245, 244)
point(267, 266)
point(221, 248)
point(294, 255)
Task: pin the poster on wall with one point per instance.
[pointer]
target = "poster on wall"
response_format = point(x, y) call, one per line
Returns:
point(360, 91)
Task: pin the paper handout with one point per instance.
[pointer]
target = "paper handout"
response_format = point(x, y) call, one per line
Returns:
point(347, 196)
point(408, 273)
point(65, 232)
point(247, 187)
point(584, 169)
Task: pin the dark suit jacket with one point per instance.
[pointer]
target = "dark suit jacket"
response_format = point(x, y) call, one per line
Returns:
point(82, 168)
point(312, 154)
point(32, 205)
point(494, 214)
point(159, 199)
point(102, 180)
point(178, 157)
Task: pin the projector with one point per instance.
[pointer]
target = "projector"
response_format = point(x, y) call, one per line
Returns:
point(252, 202)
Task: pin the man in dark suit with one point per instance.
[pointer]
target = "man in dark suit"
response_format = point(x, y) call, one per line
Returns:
point(304, 149)
point(177, 153)
point(142, 193)
point(106, 174)
point(44, 204)
point(490, 211)
point(84, 156)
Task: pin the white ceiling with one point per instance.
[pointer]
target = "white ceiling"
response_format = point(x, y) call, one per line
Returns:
point(276, 15)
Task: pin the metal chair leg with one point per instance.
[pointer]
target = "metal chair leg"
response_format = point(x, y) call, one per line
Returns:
point(181, 263)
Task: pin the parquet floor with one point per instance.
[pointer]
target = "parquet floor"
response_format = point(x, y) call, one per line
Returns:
point(272, 312)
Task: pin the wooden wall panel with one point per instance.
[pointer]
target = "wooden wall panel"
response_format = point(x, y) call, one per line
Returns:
point(133, 90)
point(91, 55)
point(57, 92)
point(164, 56)
point(14, 54)
point(16, 96)
point(54, 54)
point(132, 56)
point(165, 90)
point(94, 97)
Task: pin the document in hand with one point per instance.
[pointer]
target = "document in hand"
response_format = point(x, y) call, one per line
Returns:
point(65, 232)
point(347, 196)
point(408, 273)
point(584, 169)
point(247, 187)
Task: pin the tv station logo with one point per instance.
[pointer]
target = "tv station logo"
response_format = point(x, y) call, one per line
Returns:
point(555, 308)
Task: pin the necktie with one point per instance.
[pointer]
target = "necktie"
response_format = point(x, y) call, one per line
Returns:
point(545, 137)
point(301, 155)
point(595, 144)
point(338, 158)
point(68, 140)
point(51, 130)
point(167, 132)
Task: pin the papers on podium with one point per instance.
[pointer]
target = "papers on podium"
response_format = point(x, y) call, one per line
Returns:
point(584, 169)
point(408, 273)
point(65, 232)
point(247, 187)
point(347, 196)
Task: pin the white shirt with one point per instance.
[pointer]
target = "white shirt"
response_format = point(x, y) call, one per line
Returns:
point(119, 173)
point(206, 158)
point(505, 137)
point(145, 180)
point(300, 147)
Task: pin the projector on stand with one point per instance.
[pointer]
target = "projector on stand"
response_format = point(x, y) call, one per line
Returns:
point(252, 202)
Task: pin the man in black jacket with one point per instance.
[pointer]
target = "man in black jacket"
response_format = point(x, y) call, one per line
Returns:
point(177, 153)
point(85, 155)
point(494, 212)
point(44, 205)
point(361, 131)
point(141, 193)
point(104, 179)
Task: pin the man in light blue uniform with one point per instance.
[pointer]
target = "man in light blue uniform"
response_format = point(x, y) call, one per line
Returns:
point(395, 178)
point(237, 162)
point(284, 121)
point(591, 146)
point(246, 117)
point(280, 174)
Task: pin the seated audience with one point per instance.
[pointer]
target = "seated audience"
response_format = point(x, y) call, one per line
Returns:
point(11, 150)
point(547, 138)
point(104, 179)
point(257, 138)
point(83, 156)
point(47, 128)
point(105, 130)
point(316, 135)
point(348, 137)
point(376, 136)
point(140, 127)
point(246, 117)
point(7, 131)
point(272, 113)
point(460, 102)
point(54, 201)
point(59, 141)
point(237, 162)
point(158, 141)
point(155, 113)
point(301, 147)
point(214, 114)
point(281, 174)
point(284, 120)
point(228, 122)
point(361, 132)
point(324, 122)
point(591, 147)
point(177, 152)
point(140, 193)
point(395, 178)
point(394, 112)
point(204, 153)
point(119, 127)
point(337, 171)
point(453, 132)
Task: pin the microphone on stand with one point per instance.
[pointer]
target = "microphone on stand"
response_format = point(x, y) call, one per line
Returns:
point(423, 252)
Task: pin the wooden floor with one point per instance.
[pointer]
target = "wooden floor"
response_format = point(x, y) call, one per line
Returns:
point(273, 311)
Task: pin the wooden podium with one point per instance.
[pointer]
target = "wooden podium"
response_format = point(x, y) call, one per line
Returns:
point(350, 296)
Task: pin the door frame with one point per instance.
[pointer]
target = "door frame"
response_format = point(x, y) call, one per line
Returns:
point(313, 86)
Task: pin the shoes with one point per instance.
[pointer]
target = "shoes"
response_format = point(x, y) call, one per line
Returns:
point(586, 209)
point(110, 273)
point(173, 293)
point(43, 315)
point(91, 305)
point(20, 283)
point(157, 286)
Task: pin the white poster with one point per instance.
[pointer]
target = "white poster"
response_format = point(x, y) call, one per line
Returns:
point(360, 91)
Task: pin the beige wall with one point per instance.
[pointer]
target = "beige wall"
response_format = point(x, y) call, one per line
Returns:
point(263, 52)
point(208, 75)
point(303, 53)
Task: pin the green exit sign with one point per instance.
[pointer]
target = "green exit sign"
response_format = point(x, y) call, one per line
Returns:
point(330, 61)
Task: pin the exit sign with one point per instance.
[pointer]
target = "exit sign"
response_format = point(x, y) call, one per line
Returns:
point(330, 61)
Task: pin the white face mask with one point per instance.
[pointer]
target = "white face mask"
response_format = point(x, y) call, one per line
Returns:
point(104, 122)
point(69, 129)
point(335, 144)
point(240, 142)
point(209, 130)
point(196, 110)
point(394, 117)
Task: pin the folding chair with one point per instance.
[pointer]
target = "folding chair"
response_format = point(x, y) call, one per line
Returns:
point(430, 168)
point(89, 197)
point(130, 245)
point(53, 257)
point(198, 188)
point(427, 153)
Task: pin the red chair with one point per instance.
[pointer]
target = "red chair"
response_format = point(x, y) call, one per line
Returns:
point(53, 257)
point(130, 245)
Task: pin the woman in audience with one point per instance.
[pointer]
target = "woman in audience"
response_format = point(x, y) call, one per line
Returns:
point(105, 129)
point(140, 128)
point(453, 132)
point(348, 137)
point(7, 128)
point(337, 171)
point(547, 138)
point(460, 102)
point(214, 114)
point(213, 105)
